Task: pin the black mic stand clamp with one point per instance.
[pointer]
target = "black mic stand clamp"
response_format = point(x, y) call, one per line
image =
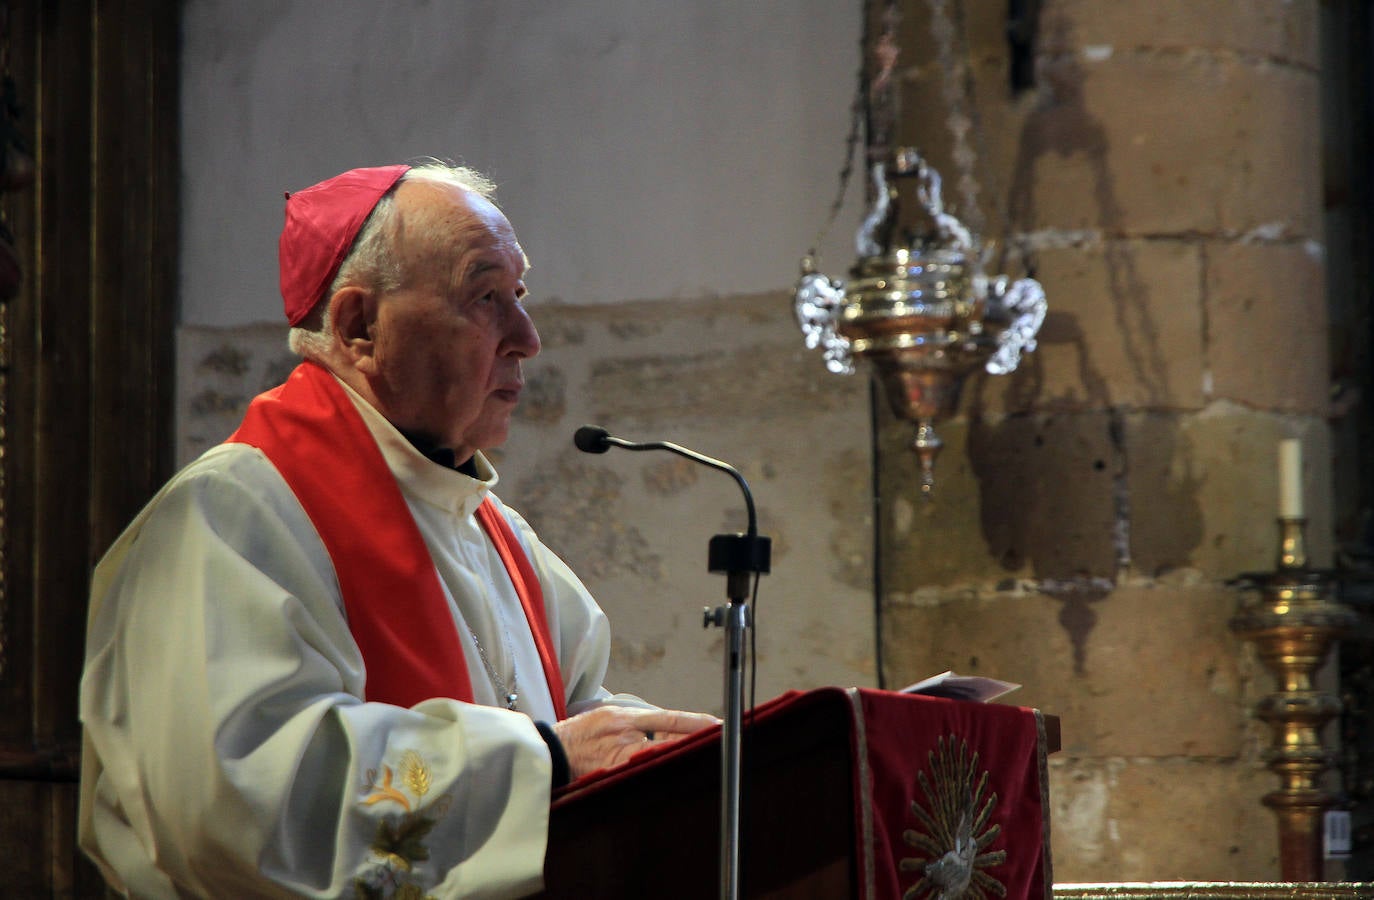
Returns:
point(737, 556)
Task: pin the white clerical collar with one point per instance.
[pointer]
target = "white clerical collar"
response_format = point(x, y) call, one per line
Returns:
point(417, 475)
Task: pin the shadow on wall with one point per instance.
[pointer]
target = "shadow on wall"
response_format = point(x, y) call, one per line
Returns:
point(1061, 124)
point(1057, 486)
point(1056, 501)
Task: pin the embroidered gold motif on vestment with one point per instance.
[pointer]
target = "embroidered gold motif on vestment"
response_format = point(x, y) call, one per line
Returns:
point(955, 831)
point(399, 841)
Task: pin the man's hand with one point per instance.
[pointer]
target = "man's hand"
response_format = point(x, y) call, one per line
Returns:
point(609, 735)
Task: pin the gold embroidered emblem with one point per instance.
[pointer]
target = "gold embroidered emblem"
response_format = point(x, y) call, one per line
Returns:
point(955, 831)
point(400, 839)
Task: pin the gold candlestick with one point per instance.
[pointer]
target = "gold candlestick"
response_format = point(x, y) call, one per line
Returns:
point(1293, 624)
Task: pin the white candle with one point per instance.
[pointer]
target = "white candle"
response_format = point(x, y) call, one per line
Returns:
point(1290, 479)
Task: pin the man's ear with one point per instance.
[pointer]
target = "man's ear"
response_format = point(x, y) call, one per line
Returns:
point(353, 312)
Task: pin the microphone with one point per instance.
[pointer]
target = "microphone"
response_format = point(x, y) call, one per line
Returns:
point(590, 439)
point(728, 553)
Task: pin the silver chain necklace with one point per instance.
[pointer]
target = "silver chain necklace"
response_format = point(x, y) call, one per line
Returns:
point(510, 694)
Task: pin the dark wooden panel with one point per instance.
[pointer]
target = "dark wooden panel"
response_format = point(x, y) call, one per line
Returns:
point(24, 828)
point(134, 256)
point(21, 324)
point(38, 843)
point(656, 830)
point(88, 351)
point(62, 279)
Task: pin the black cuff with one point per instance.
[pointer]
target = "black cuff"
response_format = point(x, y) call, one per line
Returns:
point(561, 773)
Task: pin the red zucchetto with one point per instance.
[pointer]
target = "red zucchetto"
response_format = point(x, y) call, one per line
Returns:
point(321, 223)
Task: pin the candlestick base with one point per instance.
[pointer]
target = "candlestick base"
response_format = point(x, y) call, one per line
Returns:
point(1293, 624)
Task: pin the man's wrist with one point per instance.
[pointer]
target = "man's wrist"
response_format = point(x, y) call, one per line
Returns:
point(562, 773)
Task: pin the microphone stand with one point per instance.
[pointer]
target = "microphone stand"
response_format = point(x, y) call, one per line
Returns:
point(737, 556)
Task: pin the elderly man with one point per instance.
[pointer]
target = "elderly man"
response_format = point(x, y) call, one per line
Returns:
point(325, 660)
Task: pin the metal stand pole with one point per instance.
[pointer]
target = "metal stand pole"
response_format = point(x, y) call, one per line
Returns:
point(734, 617)
point(731, 739)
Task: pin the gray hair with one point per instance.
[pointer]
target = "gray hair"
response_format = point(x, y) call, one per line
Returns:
point(372, 260)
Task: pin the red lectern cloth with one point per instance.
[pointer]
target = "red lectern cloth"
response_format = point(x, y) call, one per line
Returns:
point(956, 796)
point(976, 772)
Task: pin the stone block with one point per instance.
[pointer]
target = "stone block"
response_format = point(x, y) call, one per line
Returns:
point(935, 539)
point(1168, 475)
point(711, 382)
point(1135, 820)
point(1151, 145)
point(1048, 493)
point(981, 27)
point(1278, 30)
point(1137, 145)
point(219, 370)
point(1204, 490)
point(1132, 670)
point(999, 482)
point(1144, 493)
point(1266, 326)
point(1125, 328)
point(1100, 129)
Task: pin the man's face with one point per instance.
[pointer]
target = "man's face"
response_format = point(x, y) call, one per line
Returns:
point(448, 343)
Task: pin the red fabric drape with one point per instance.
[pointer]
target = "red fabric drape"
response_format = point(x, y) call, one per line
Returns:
point(531, 596)
point(955, 790)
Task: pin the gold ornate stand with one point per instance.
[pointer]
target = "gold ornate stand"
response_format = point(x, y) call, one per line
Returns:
point(1293, 623)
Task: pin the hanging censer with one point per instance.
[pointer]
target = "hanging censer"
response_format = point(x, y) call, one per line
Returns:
point(918, 306)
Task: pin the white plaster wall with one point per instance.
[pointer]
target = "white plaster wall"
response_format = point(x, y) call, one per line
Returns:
point(646, 149)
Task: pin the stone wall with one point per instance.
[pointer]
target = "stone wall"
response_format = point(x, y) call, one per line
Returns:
point(1163, 178)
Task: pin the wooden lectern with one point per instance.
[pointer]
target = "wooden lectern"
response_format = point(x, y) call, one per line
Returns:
point(847, 793)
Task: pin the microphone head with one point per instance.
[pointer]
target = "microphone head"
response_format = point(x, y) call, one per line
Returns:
point(591, 439)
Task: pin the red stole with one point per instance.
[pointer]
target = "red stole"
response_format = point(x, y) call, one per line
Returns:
point(315, 437)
